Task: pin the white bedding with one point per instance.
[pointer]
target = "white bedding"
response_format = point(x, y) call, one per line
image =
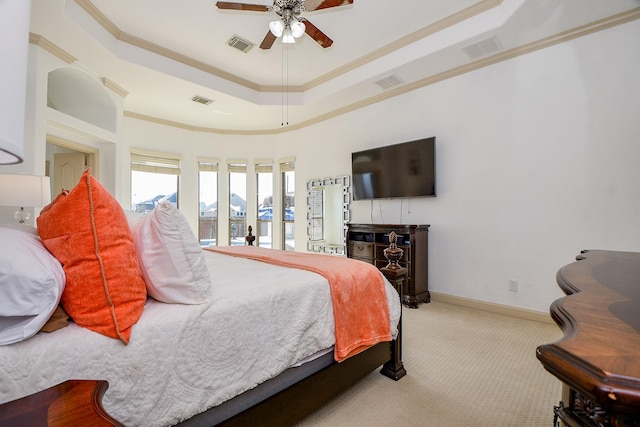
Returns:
point(184, 359)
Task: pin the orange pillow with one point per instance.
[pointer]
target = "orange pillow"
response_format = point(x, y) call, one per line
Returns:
point(87, 231)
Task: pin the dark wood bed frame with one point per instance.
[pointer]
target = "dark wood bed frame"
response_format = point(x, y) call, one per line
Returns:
point(304, 397)
point(76, 402)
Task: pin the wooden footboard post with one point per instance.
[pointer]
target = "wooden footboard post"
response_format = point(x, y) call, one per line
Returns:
point(395, 274)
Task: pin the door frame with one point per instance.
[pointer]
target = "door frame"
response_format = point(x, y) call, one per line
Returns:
point(93, 154)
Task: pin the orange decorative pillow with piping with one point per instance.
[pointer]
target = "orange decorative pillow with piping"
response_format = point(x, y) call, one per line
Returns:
point(87, 231)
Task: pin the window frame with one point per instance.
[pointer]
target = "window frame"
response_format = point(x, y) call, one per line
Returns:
point(209, 165)
point(240, 225)
point(156, 163)
point(286, 166)
point(263, 167)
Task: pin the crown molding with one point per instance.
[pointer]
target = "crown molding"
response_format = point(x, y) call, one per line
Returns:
point(171, 123)
point(467, 13)
point(38, 40)
point(109, 26)
point(100, 18)
point(559, 38)
point(425, 32)
point(114, 87)
point(186, 60)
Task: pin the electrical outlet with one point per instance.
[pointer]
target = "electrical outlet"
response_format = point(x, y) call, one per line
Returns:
point(513, 285)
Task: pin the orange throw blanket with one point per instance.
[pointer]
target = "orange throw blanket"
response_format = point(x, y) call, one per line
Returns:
point(358, 293)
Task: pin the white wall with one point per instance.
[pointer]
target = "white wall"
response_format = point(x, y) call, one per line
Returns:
point(537, 158)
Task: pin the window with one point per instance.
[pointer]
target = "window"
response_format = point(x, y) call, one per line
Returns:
point(237, 202)
point(264, 220)
point(154, 177)
point(208, 200)
point(287, 168)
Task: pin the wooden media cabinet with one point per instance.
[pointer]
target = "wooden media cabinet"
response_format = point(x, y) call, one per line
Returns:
point(367, 242)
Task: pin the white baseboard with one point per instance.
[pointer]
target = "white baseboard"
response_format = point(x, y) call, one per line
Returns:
point(521, 313)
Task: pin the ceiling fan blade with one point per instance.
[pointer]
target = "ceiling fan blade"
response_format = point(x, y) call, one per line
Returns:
point(321, 38)
point(325, 4)
point(268, 41)
point(242, 6)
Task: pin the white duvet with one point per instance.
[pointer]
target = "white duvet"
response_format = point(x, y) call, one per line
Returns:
point(184, 359)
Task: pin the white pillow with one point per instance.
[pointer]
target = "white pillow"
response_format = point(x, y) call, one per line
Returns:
point(132, 217)
point(31, 283)
point(171, 259)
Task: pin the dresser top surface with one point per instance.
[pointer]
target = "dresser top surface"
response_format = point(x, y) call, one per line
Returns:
point(600, 317)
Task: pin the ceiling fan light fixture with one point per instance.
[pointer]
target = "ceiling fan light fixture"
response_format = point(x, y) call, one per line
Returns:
point(276, 28)
point(297, 29)
point(287, 36)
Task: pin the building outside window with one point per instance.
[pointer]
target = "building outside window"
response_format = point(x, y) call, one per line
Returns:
point(154, 178)
point(208, 201)
point(264, 220)
point(237, 202)
point(287, 168)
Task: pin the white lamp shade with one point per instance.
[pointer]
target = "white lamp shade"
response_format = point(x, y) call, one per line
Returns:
point(24, 190)
point(14, 51)
point(276, 28)
point(287, 36)
point(297, 29)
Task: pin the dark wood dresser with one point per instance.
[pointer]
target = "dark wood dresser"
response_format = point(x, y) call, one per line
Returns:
point(367, 242)
point(598, 358)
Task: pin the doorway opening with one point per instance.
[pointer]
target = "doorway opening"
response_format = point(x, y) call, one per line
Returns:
point(66, 161)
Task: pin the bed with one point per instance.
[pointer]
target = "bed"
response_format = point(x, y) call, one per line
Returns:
point(261, 346)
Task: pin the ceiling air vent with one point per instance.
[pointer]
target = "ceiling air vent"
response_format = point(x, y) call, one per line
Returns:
point(202, 100)
point(239, 43)
point(389, 82)
point(483, 47)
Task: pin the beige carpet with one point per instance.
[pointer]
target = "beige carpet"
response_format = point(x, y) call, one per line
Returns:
point(465, 367)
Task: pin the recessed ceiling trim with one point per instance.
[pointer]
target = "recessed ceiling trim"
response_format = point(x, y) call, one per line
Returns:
point(281, 88)
point(110, 27)
point(56, 51)
point(449, 21)
point(114, 87)
point(469, 12)
point(101, 19)
point(184, 59)
point(562, 37)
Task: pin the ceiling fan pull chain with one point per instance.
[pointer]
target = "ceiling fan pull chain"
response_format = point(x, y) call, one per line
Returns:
point(287, 93)
point(282, 87)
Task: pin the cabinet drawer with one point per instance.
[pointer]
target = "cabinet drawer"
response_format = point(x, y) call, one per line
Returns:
point(361, 249)
point(367, 260)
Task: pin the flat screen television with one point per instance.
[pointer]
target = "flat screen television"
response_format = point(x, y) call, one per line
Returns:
point(400, 170)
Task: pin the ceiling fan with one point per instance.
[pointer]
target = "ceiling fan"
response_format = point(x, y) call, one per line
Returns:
point(290, 24)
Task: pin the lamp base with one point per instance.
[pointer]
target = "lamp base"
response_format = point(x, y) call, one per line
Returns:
point(22, 216)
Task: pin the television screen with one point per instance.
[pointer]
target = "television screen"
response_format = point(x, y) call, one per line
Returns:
point(407, 169)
